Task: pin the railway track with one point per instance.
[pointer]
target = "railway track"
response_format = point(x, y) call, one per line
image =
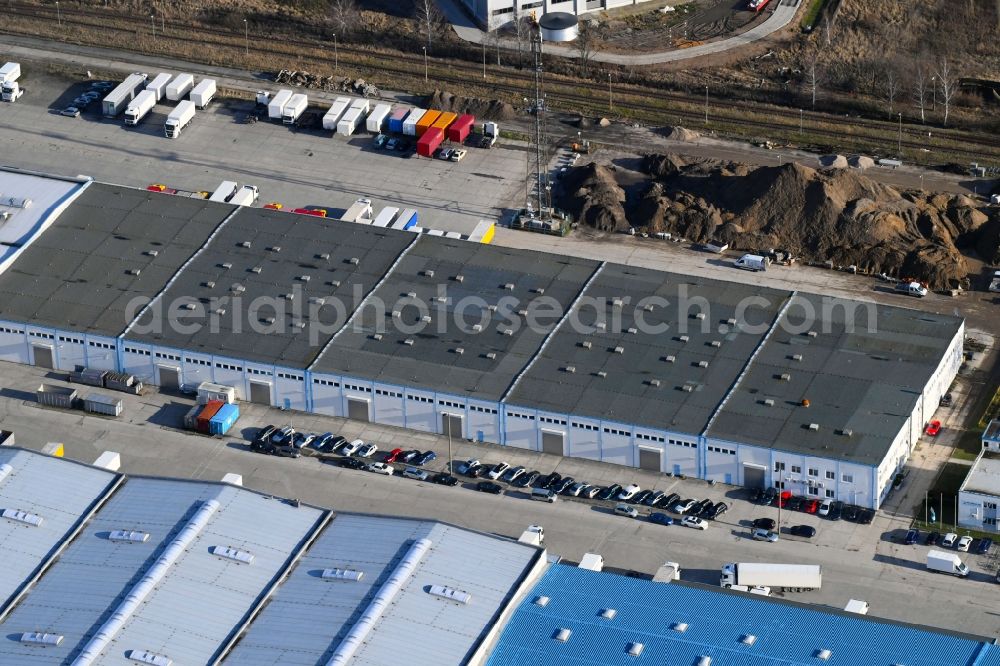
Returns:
point(651, 104)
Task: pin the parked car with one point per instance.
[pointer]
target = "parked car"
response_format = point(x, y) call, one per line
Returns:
point(807, 531)
point(70, 112)
point(983, 546)
point(328, 442)
point(695, 523)
point(764, 535)
point(352, 463)
point(933, 538)
point(911, 537)
point(258, 446)
point(609, 492)
point(764, 523)
point(590, 492)
point(641, 497)
point(866, 516)
point(468, 466)
point(564, 484)
point(551, 481)
point(796, 503)
point(622, 509)
point(668, 501)
point(391, 144)
point(715, 510)
point(300, 440)
point(458, 154)
point(380, 468)
point(513, 473)
point(481, 471)
point(756, 495)
point(933, 428)
point(836, 511)
point(964, 543)
point(380, 140)
point(770, 496)
point(424, 458)
point(408, 456)
point(949, 540)
point(811, 506)
point(701, 506)
point(654, 497)
point(498, 470)
point(366, 450)
point(526, 479)
point(784, 498)
point(416, 473)
point(661, 519)
point(282, 435)
point(628, 492)
point(852, 513)
point(489, 487)
point(350, 448)
point(684, 505)
point(264, 433)
point(444, 479)
point(393, 455)
point(824, 508)
point(575, 489)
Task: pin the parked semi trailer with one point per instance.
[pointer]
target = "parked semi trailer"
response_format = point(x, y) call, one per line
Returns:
point(426, 121)
point(139, 107)
point(125, 92)
point(225, 191)
point(360, 211)
point(277, 104)
point(430, 141)
point(245, 196)
point(295, 107)
point(385, 217)
point(377, 118)
point(159, 85)
point(350, 122)
point(10, 89)
point(361, 103)
point(459, 130)
point(11, 71)
point(396, 120)
point(444, 121)
point(410, 124)
point(789, 577)
point(178, 119)
point(180, 87)
point(406, 220)
point(336, 112)
point(203, 93)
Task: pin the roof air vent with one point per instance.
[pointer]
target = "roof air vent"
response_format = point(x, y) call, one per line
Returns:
point(731, 321)
point(268, 320)
point(411, 294)
point(134, 271)
point(648, 307)
point(688, 388)
point(23, 517)
point(459, 278)
point(562, 635)
point(491, 355)
point(715, 343)
point(376, 336)
point(441, 299)
point(220, 311)
point(609, 613)
point(586, 344)
point(274, 248)
point(702, 364)
point(618, 350)
point(538, 290)
point(491, 308)
point(426, 319)
point(244, 244)
point(748, 639)
point(428, 273)
point(152, 253)
point(601, 326)
point(823, 654)
point(234, 554)
point(670, 358)
point(208, 285)
point(814, 426)
point(541, 601)
point(342, 574)
point(570, 369)
point(805, 402)
point(408, 342)
point(704, 660)
point(397, 314)
point(257, 270)
point(635, 649)
point(190, 306)
point(633, 330)
point(334, 283)
point(653, 382)
point(325, 256)
point(617, 302)
point(147, 657)
point(682, 338)
point(237, 288)
point(129, 536)
point(451, 594)
point(522, 313)
point(39, 638)
point(304, 278)
point(811, 334)
point(477, 327)
point(768, 402)
point(508, 332)
point(354, 261)
point(299, 324)
point(679, 627)
point(317, 300)
point(458, 350)
point(509, 286)
point(846, 433)
point(785, 377)
point(698, 315)
point(289, 296)
point(225, 266)
point(601, 374)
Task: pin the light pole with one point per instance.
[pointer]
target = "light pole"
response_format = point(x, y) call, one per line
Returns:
point(899, 150)
point(58, 14)
point(800, 121)
point(706, 105)
point(934, 91)
point(425, 63)
point(610, 106)
point(246, 37)
point(152, 22)
point(451, 463)
point(484, 60)
point(336, 59)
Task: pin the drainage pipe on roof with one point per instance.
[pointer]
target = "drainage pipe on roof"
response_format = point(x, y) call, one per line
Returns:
point(5, 470)
point(385, 595)
point(141, 590)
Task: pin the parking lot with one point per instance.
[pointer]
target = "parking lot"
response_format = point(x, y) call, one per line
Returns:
point(859, 561)
point(296, 167)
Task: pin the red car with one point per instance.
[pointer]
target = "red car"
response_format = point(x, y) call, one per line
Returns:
point(393, 455)
point(933, 428)
point(784, 497)
point(812, 506)
point(317, 212)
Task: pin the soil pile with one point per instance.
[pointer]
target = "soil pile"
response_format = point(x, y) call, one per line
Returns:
point(833, 161)
point(480, 108)
point(840, 216)
point(680, 134)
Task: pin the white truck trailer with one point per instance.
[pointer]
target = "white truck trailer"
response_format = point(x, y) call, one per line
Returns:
point(410, 124)
point(360, 211)
point(350, 122)
point(139, 107)
point(295, 107)
point(336, 112)
point(10, 89)
point(180, 87)
point(361, 103)
point(245, 196)
point(225, 191)
point(376, 119)
point(203, 93)
point(125, 92)
point(11, 71)
point(788, 577)
point(277, 104)
point(159, 85)
point(178, 119)
point(385, 217)
point(946, 563)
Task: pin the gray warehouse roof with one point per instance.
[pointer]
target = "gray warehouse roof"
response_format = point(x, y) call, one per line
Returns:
point(637, 367)
point(864, 381)
point(26, 485)
point(250, 267)
point(80, 273)
point(439, 354)
point(984, 477)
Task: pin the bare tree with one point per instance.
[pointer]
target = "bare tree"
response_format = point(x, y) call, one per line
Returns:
point(890, 87)
point(947, 83)
point(920, 90)
point(492, 36)
point(522, 32)
point(813, 78)
point(585, 46)
point(998, 14)
point(429, 18)
point(345, 16)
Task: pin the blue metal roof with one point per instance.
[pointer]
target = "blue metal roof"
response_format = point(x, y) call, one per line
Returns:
point(717, 620)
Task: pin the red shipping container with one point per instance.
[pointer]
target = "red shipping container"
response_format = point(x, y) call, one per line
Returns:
point(430, 141)
point(211, 408)
point(460, 129)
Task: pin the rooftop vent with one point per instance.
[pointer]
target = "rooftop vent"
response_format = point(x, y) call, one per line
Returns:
point(129, 536)
point(653, 382)
point(428, 273)
point(538, 290)
point(731, 321)
point(491, 355)
point(152, 253)
point(768, 402)
point(244, 243)
point(299, 324)
point(225, 266)
point(586, 344)
point(633, 330)
point(408, 342)
point(491, 308)
point(814, 426)
point(617, 302)
point(715, 343)
point(477, 327)
point(823, 654)
point(688, 388)
point(601, 374)
point(805, 402)
point(570, 369)
point(811, 334)
point(451, 594)
point(682, 338)
point(796, 357)
point(785, 377)
point(670, 358)
point(23, 517)
point(234, 554)
point(376, 336)
point(274, 248)
point(134, 271)
point(541, 601)
point(459, 278)
point(441, 299)
point(458, 350)
point(257, 270)
point(237, 288)
point(846, 433)
point(220, 311)
point(354, 261)
point(342, 574)
point(304, 278)
point(562, 635)
point(267, 320)
point(325, 256)
point(679, 627)
point(618, 350)
point(522, 312)
point(748, 639)
point(648, 307)
point(509, 286)
point(426, 319)
point(704, 660)
point(289, 296)
point(208, 285)
point(507, 331)
point(601, 326)
point(317, 300)
point(635, 649)
point(190, 306)
point(411, 294)
point(397, 314)
point(608, 613)
point(702, 364)
point(39, 638)
point(334, 283)
point(147, 657)
point(698, 315)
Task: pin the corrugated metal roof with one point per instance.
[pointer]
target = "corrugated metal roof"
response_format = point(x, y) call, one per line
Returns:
point(28, 486)
point(786, 633)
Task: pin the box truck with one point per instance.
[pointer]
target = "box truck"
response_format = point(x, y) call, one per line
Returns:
point(10, 89)
point(788, 577)
point(349, 123)
point(245, 196)
point(180, 87)
point(396, 120)
point(203, 93)
point(294, 108)
point(159, 85)
point(459, 130)
point(410, 124)
point(139, 107)
point(360, 211)
point(946, 563)
point(11, 71)
point(376, 119)
point(225, 191)
point(277, 104)
point(336, 112)
point(125, 92)
point(406, 220)
point(430, 141)
point(178, 119)
point(385, 217)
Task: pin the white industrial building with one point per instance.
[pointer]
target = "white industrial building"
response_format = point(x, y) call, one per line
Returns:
point(828, 405)
point(498, 12)
point(979, 494)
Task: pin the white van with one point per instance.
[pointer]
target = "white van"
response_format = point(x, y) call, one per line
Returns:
point(751, 262)
point(912, 289)
point(544, 495)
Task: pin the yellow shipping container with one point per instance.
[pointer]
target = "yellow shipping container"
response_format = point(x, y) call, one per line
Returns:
point(426, 121)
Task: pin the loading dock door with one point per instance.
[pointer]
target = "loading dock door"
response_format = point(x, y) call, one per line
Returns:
point(260, 393)
point(554, 443)
point(753, 476)
point(455, 422)
point(170, 378)
point(651, 459)
point(43, 356)
point(358, 409)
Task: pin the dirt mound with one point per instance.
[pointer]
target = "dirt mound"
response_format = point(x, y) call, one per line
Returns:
point(480, 108)
point(860, 162)
point(833, 161)
point(840, 216)
point(677, 133)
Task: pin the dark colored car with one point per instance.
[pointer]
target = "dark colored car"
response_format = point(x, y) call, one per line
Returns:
point(472, 471)
point(911, 537)
point(332, 444)
point(983, 546)
point(770, 496)
point(764, 523)
point(553, 480)
point(526, 479)
point(933, 538)
point(352, 463)
point(654, 497)
point(756, 495)
point(393, 456)
point(701, 507)
point(609, 492)
point(661, 519)
point(489, 487)
point(807, 531)
point(264, 433)
point(668, 501)
point(262, 447)
point(715, 510)
point(640, 497)
point(851, 513)
point(408, 456)
point(796, 503)
point(424, 458)
point(444, 479)
point(482, 470)
point(867, 516)
point(836, 511)
point(564, 484)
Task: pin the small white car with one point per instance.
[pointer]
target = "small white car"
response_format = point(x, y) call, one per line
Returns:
point(350, 448)
point(626, 510)
point(825, 507)
point(949, 540)
point(498, 470)
point(762, 535)
point(964, 543)
point(469, 464)
point(380, 468)
point(70, 112)
point(694, 522)
point(628, 492)
point(366, 450)
point(458, 154)
point(684, 506)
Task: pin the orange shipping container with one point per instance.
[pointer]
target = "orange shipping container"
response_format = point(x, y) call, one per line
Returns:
point(426, 121)
point(444, 120)
point(211, 408)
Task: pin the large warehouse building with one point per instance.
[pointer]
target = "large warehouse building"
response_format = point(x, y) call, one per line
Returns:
point(685, 375)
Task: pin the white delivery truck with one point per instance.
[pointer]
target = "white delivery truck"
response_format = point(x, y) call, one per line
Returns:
point(10, 89)
point(410, 124)
point(360, 211)
point(947, 563)
point(225, 191)
point(534, 535)
point(336, 112)
point(11, 71)
point(245, 196)
point(751, 262)
point(180, 87)
point(178, 119)
point(159, 85)
point(788, 577)
point(203, 93)
point(295, 107)
point(139, 107)
point(125, 92)
point(376, 119)
point(385, 217)
point(277, 104)
point(912, 289)
point(349, 123)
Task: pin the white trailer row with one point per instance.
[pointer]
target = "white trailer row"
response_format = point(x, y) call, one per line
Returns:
point(159, 85)
point(10, 89)
point(178, 119)
point(294, 108)
point(204, 92)
point(180, 87)
point(376, 119)
point(410, 124)
point(125, 92)
point(336, 112)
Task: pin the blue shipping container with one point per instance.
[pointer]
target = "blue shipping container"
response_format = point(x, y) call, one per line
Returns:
point(406, 219)
point(396, 120)
point(223, 419)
